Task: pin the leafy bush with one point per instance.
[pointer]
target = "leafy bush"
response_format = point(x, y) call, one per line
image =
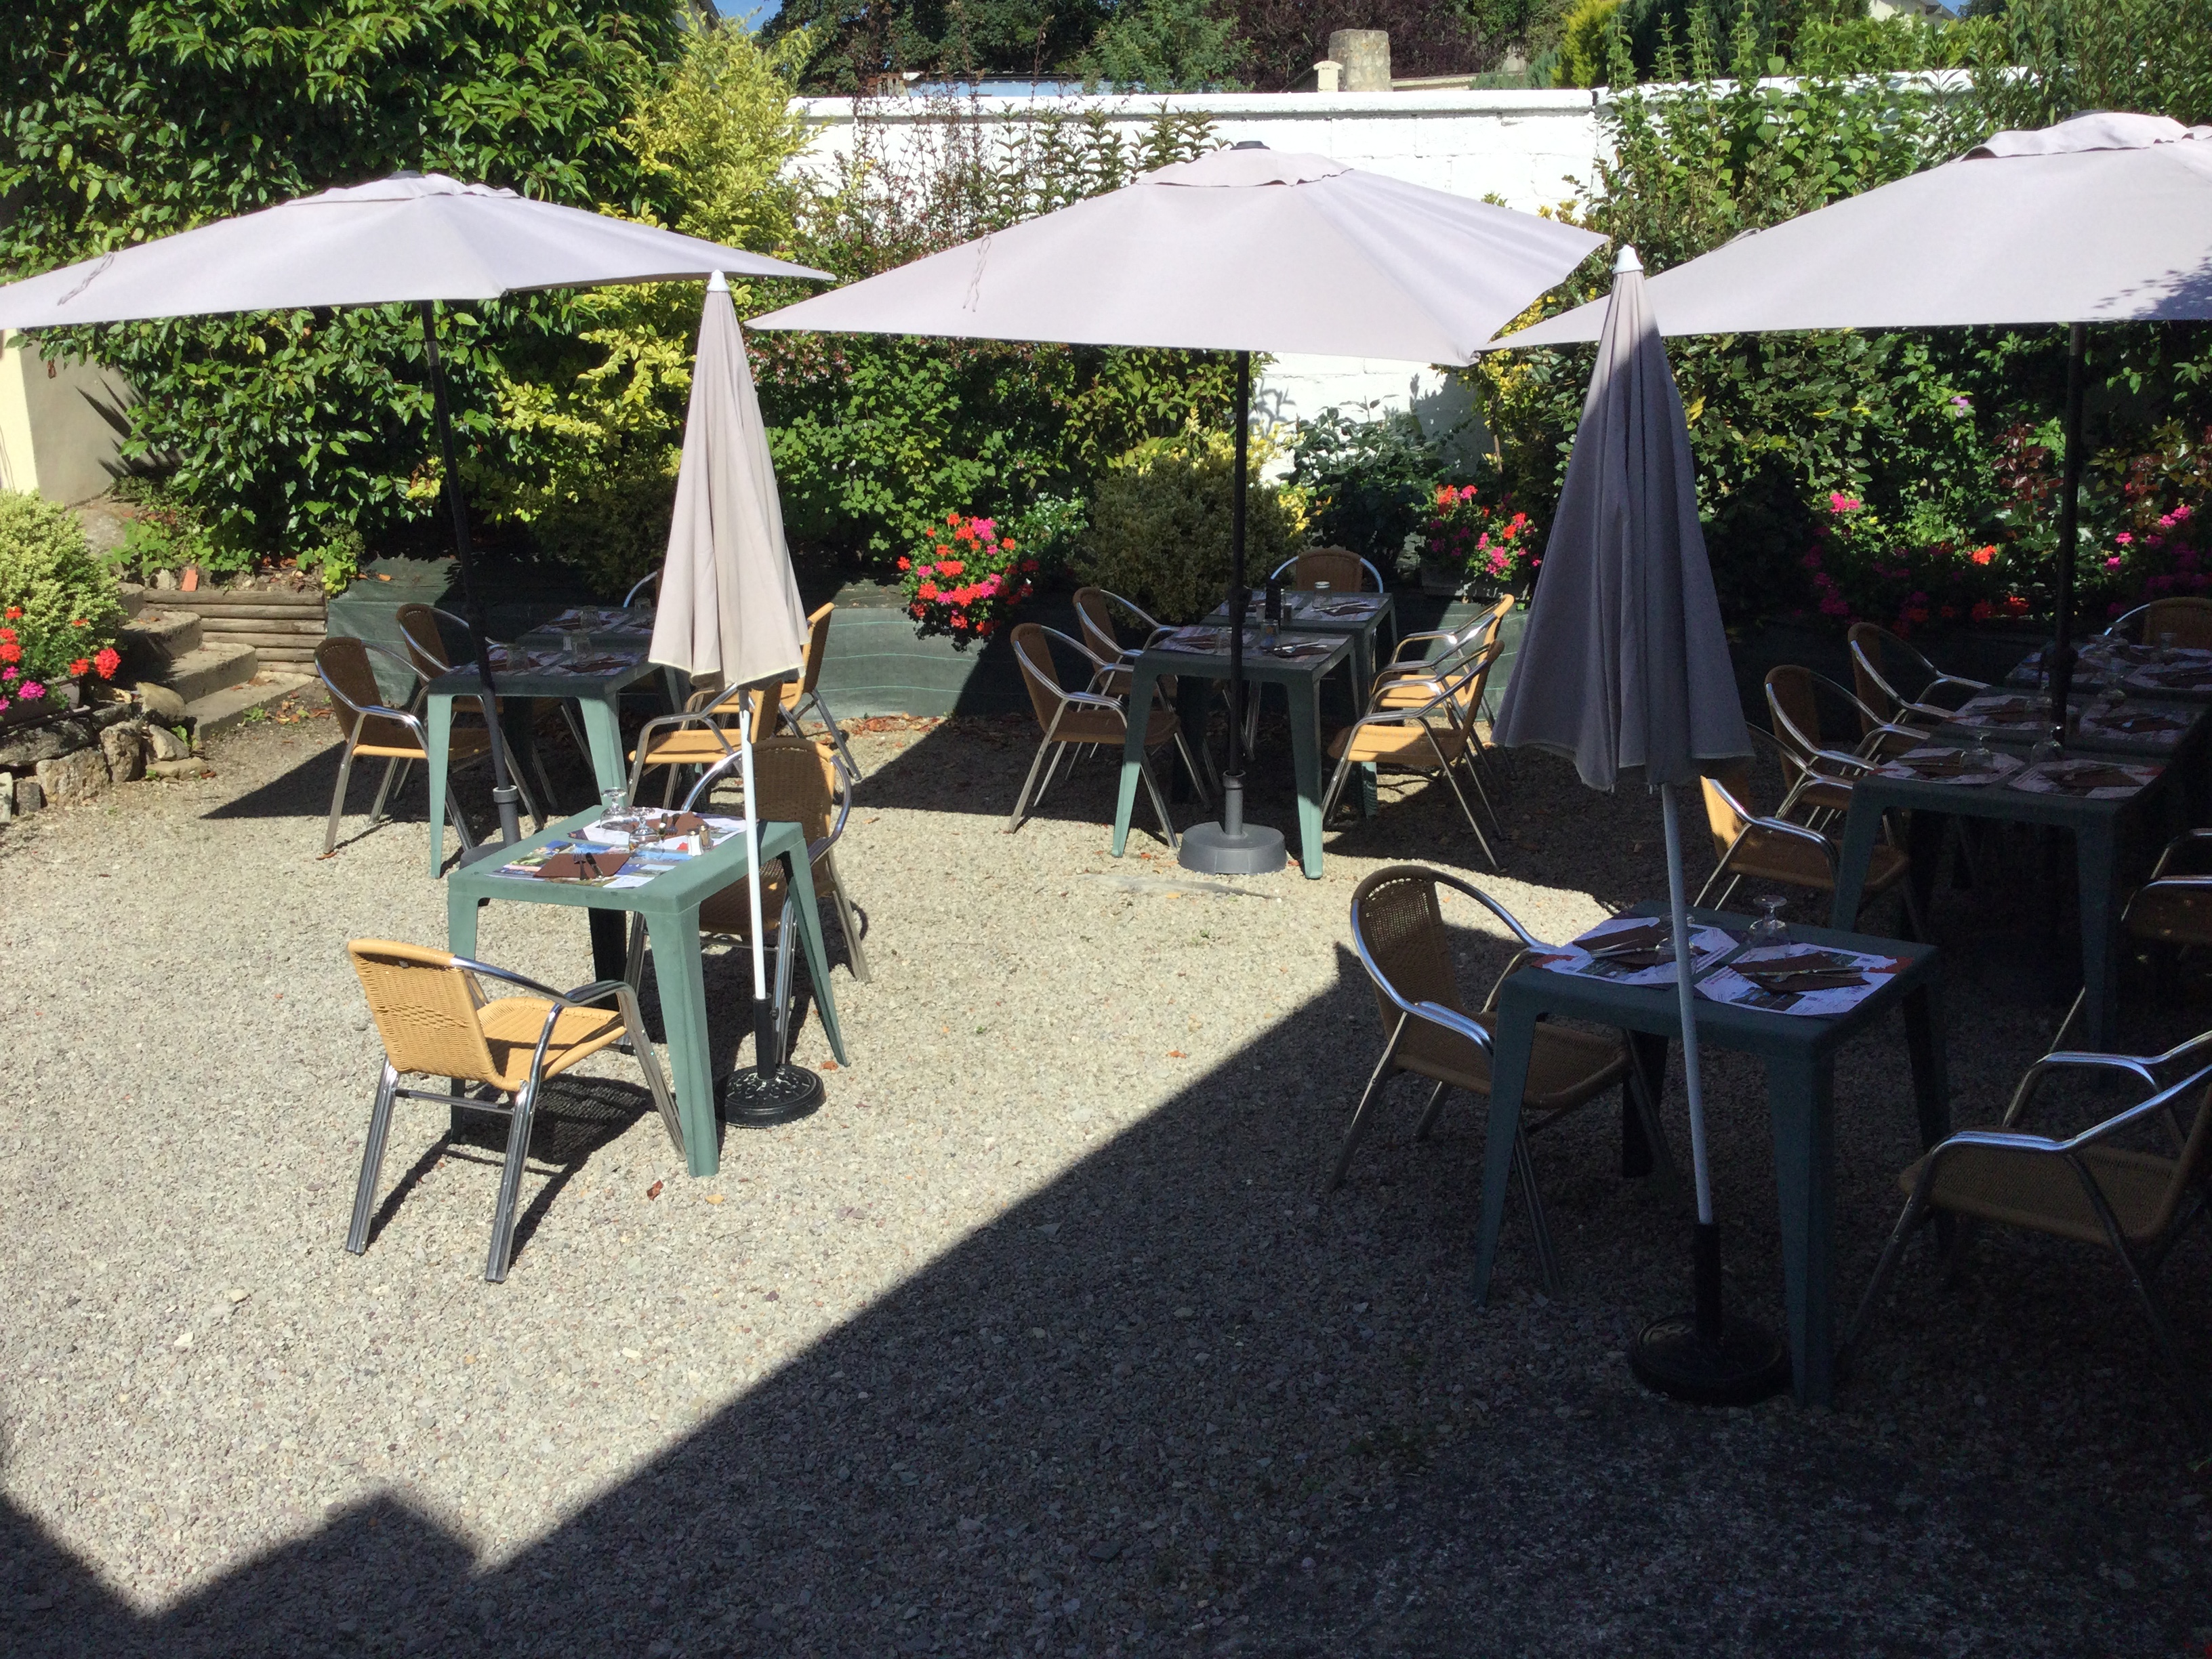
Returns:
point(1159, 531)
point(1370, 481)
point(57, 603)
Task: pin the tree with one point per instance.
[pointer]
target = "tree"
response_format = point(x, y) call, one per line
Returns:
point(855, 43)
point(1285, 38)
point(1165, 45)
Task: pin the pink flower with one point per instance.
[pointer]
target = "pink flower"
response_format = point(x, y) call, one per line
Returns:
point(2113, 562)
point(2124, 539)
point(31, 690)
point(1839, 502)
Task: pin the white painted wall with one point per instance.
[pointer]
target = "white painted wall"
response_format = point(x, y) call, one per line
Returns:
point(1531, 149)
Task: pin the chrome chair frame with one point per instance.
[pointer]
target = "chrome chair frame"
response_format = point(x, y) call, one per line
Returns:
point(520, 1110)
point(651, 580)
point(395, 768)
point(433, 654)
point(711, 714)
point(1446, 699)
point(1786, 829)
point(2120, 621)
point(2158, 882)
point(1934, 713)
point(1053, 744)
point(1290, 563)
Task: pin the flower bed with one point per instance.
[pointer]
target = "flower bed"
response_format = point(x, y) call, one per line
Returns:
point(1487, 538)
point(967, 582)
point(58, 609)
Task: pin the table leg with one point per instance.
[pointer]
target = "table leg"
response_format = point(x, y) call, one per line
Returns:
point(2096, 859)
point(1647, 1057)
point(1861, 823)
point(603, 729)
point(609, 942)
point(1509, 1075)
point(681, 969)
point(1923, 848)
point(1931, 1079)
point(439, 725)
point(1800, 1101)
point(1133, 751)
point(1305, 756)
point(800, 875)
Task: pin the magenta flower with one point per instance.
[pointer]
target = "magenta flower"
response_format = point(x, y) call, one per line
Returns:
point(31, 692)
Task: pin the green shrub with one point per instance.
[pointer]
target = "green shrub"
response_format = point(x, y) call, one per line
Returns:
point(56, 599)
point(1371, 482)
point(1159, 529)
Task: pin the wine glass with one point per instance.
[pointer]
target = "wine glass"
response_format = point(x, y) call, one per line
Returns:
point(1981, 757)
point(1769, 929)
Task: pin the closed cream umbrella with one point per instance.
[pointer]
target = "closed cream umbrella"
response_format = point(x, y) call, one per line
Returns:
point(1624, 668)
point(1244, 250)
point(413, 239)
point(2105, 218)
point(729, 607)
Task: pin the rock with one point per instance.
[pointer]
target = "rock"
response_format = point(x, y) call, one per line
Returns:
point(74, 778)
point(162, 705)
point(49, 742)
point(165, 745)
point(7, 796)
point(124, 746)
point(29, 797)
point(177, 769)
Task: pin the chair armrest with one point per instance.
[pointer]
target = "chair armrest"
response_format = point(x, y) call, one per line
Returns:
point(2187, 838)
point(2143, 1067)
point(1450, 1018)
point(1795, 832)
point(1956, 679)
point(485, 971)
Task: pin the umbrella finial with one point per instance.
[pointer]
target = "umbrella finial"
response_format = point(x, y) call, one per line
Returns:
point(1626, 260)
point(717, 284)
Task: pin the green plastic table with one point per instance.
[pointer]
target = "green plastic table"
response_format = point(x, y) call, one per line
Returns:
point(596, 697)
point(1301, 683)
point(2100, 828)
point(1800, 1055)
point(670, 906)
point(1300, 616)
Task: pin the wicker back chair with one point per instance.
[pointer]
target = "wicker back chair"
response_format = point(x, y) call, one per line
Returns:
point(1900, 686)
point(1775, 849)
point(1398, 931)
point(1420, 726)
point(2183, 620)
point(1072, 721)
point(369, 727)
point(431, 1012)
point(1344, 570)
point(795, 700)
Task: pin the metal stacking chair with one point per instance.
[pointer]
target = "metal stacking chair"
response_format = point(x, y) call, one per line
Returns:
point(795, 781)
point(1792, 854)
point(1827, 738)
point(1398, 930)
point(2184, 621)
point(1076, 720)
point(1430, 736)
point(394, 736)
point(431, 1010)
point(2172, 909)
point(2083, 1186)
point(421, 629)
point(1339, 567)
point(1094, 614)
point(704, 735)
point(797, 698)
point(653, 581)
point(1899, 685)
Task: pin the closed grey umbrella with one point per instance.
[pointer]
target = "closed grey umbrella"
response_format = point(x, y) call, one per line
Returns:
point(1625, 669)
point(729, 606)
point(410, 239)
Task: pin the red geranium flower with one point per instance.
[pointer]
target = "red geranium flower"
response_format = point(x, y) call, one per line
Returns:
point(79, 669)
point(14, 612)
point(105, 661)
point(905, 563)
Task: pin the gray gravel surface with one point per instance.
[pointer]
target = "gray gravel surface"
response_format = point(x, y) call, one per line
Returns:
point(1039, 1337)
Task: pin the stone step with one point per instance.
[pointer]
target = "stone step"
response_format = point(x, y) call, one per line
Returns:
point(209, 668)
point(233, 706)
point(152, 640)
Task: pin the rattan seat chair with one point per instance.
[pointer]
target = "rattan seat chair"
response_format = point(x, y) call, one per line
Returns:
point(795, 781)
point(797, 699)
point(394, 736)
point(1827, 738)
point(1791, 854)
point(432, 1014)
point(1094, 614)
point(1344, 570)
point(2172, 909)
point(2081, 1187)
point(1899, 685)
point(2185, 621)
point(1072, 721)
point(705, 733)
point(1431, 737)
point(1398, 931)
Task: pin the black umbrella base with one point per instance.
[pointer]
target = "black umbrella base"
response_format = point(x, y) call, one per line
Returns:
point(785, 1095)
point(1748, 1364)
point(1252, 850)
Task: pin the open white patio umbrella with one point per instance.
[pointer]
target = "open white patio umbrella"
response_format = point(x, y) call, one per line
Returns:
point(413, 239)
point(1244, 250)
point(2104, 218)
point(1625, 669)
point(729, 606)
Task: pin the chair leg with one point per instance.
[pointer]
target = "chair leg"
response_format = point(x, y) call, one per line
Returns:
point(1022, 800)
point(847, 919)
point(836, 734)
point(394, 769)
point(338, 802)
point(510, 1183)
point(460, 820)
point(1358, 1127)
point(1444, 766)
point(785, 958)
point(1432, 1111)
point(664, 1101)
point(1062, 762)
point(1915, 1211)
point(1336, 785)
point(1190, 768)
point(372, 1162)
point(2058, 1038)
point(1159, 801)
point(1705, 892)
point(633, 953)
point(1647, 1112)
point(1547, 1264)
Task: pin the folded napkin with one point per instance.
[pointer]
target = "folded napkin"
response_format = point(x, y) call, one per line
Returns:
point(2095, 777)
point(2142, 723)
point(1780, 981)
point(1629, 938)
point(582, 866)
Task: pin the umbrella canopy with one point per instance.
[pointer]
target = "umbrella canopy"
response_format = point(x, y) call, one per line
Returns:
point(2104, 218)
point(398, 239)
point(729, 604)
point(1242, 250)
point(1624, 666)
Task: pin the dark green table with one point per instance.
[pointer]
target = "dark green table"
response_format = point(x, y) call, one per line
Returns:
point(1302, 613)
point(1300, 679)
point(670, 906)
point(1800, 1054)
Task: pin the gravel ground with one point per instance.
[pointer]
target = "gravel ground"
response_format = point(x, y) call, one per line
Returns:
point(1038, 1336)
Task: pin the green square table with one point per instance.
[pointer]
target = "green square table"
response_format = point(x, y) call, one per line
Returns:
point(669, 904)
point(598, 697)
point(2100, 828)
point(1300, 679)
point(1302, 614)
point(1800, 1053)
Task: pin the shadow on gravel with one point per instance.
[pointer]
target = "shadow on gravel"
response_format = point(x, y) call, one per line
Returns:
point(1148, 1413)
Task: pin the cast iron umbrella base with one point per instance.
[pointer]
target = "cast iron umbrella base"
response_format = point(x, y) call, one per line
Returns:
point(1710, 1358)
point(775, 1091)
point(1232, 847)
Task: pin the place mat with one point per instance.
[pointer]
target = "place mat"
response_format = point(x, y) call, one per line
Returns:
point(598, 619)
point(2086, 780)
point(1937, 764)
point(1807, 980)
point(2149, 727)
point(1633, 951)
point(1204, 642)
point(656, 829)
point(591, 663)
point(1997, 711)
point(2172, 677)
point(1342, 609)
point(513, 659)
point(578, 863)
point(1198, 642)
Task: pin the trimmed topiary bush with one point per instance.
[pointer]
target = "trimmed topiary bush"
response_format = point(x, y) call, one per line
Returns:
point(59, 609)
point(1160, 525)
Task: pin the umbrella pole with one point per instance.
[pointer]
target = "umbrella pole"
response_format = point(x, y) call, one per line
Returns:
point(1233, 847)
point(774, 1091)
point(502, 782)
point(1705, 1356)
point(2070, 522)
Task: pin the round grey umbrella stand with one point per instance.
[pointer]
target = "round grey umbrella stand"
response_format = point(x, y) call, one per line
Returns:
point(1709, 1356)
point(1232, 847)
point(773, 1091)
